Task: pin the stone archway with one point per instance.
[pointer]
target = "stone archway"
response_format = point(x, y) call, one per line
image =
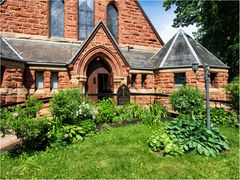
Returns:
point(99, 78)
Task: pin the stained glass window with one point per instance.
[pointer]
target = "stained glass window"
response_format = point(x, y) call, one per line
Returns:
point(112, 17)
point(85, 18)
point(57, 18)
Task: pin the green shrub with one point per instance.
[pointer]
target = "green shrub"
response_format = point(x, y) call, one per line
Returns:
point(66, 104)
point(88, 126)
point(106, 110)
point(219, 116)
point(162, 143)
point(32, 130)
point(73, 133)
point(32, 106)
point(187, 100)
point(153, 114)
point(233, 88)
point(193, 136)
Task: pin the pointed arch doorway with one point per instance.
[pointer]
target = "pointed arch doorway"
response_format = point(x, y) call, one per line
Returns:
point(99, 78)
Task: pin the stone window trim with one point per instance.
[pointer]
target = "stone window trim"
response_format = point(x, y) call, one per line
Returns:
point(114, 5)
point(87, 25)
point(39, 80)
point(179, 79)
point(49, 21)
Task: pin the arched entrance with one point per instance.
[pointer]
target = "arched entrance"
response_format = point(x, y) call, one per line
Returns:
point(99, 78)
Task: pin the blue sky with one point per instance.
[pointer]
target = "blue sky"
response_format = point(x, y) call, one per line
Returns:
point(163, 20)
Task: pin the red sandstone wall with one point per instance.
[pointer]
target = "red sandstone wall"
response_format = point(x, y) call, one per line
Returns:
point(133, 27)
point(32, 17)
point(24, 16)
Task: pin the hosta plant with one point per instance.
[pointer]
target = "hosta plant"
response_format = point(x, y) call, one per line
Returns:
point(193, 136)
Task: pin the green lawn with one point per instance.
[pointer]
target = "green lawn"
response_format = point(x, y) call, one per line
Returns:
point(122, 153)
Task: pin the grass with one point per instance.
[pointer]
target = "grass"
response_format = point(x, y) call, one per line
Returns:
point(122, 153)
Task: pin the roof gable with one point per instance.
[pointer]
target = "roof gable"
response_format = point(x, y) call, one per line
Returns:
point(107, 33)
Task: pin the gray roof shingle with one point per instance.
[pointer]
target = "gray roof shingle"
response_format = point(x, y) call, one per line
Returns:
point(182, 51)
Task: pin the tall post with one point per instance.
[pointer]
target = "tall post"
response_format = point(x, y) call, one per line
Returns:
point(206, 77)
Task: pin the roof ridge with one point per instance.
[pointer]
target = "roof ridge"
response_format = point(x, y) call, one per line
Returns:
point(191, 48)
point(170, 48)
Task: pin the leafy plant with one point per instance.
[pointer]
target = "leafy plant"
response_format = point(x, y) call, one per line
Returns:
point(153, 114)
point(106, 110)
point(219, 116)
point(73, 133)
point(66, 103)
point(86, 111)
point(187, 100)
point(32, 106)
point(193, 136)
point(88, 125)
point(233, 89)
point(161, 142)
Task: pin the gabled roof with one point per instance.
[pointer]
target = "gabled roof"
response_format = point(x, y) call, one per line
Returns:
point(92, 35)
point(7, 51)
point(182, 51)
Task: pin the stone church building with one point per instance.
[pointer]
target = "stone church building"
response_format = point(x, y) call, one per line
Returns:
point(97, 45)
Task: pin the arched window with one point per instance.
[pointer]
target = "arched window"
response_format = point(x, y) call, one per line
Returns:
point(85, 18)
point(112, 18)
point(56, 18)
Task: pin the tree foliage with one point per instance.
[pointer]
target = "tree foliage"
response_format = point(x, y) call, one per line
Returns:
point(218, 23)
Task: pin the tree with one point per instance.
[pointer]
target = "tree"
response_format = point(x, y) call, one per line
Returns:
point(218, 23)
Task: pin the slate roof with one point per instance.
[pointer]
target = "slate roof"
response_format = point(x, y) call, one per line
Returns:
point(7, 51)
point(138, 59)
point(37, 51)
point(182, 51)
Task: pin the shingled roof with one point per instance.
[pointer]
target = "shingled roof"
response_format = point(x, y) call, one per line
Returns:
point(182, 51)
point(7, 51)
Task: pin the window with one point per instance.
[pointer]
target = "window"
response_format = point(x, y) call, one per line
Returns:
point(133, 80)
point(54, 80)
point(85, 18)
point(2, 73)
point(57, 18)
point(213, 79)
point(39, 80)
point(144, 77)
point(179, 79)
point(112, 19)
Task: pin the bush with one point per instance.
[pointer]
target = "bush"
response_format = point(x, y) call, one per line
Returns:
point(66, 104)
point(153, 114)
point(88, 126)
point(32, 130)
point(106, 110)
point(193, 136)
point(233, 88)
point(161, 142)
point(219, 116)
point(32, 106)
point(187, 100)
